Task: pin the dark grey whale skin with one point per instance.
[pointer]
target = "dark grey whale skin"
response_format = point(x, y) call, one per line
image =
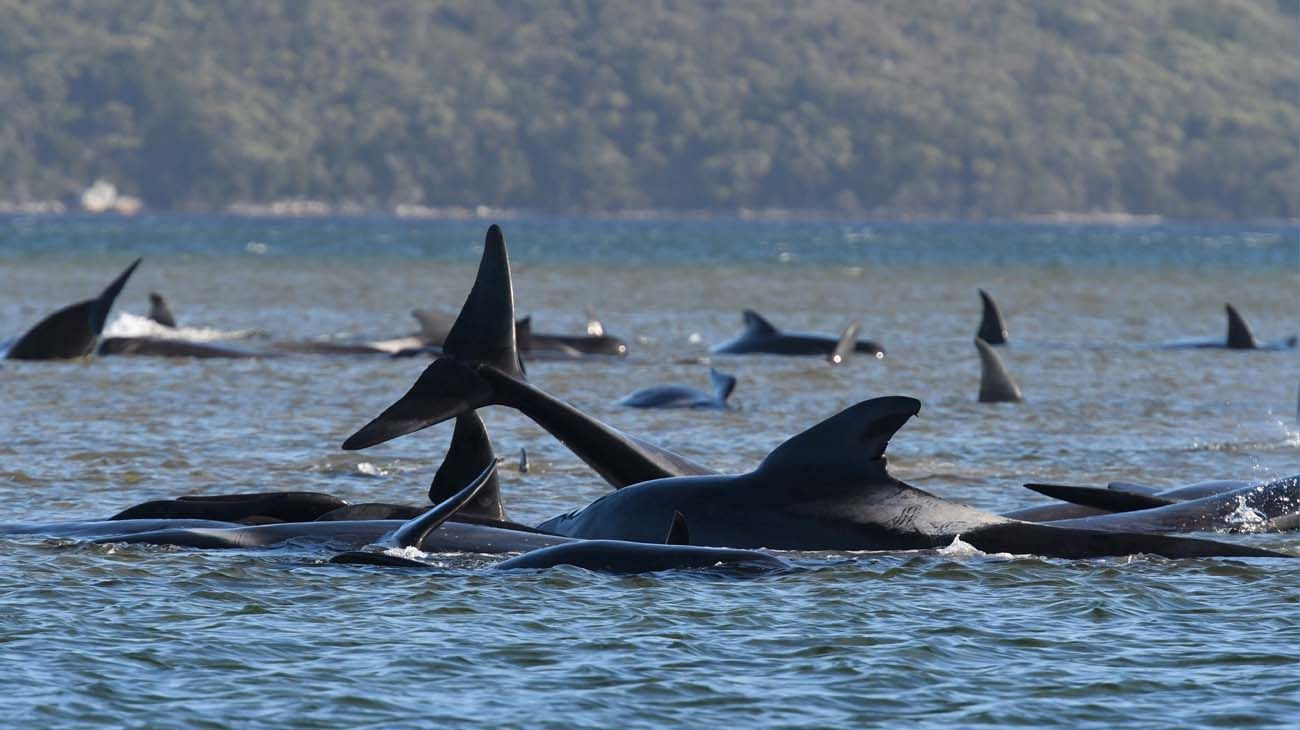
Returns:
point(762, 337)
point(73, 331)
point(1269, 507)
point(1064, 511)
point(681, 396)
point(1239, 337)
point(828, 489)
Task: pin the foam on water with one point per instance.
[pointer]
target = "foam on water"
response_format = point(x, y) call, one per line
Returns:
point(131, 325)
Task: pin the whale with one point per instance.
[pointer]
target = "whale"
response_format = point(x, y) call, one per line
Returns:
point(612, 556)
point(105, 529)
point(681, 396)
point(480, 366)
point(1080, 501)
point(762, 337)
point(436, 324)
point(1239, 337)
point(828, 488)
point(159, 311)
point(167, 347)
point(256, 508)
point(992, 329)
point(73, 331)
point(996, 384)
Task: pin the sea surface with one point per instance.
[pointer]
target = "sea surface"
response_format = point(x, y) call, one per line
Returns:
point(147, 637)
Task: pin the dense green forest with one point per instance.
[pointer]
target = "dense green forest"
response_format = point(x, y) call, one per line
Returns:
point(953, 108)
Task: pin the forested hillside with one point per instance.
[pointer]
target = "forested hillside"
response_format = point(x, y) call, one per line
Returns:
point(961, 108)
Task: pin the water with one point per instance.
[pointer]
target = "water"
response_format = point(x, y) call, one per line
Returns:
point(95, 635)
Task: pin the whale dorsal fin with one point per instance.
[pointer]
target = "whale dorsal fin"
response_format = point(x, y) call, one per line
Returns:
point(484, 330)
point(413, 532)
point(678, 534)
point(524, 333)
point(1239, 335)
point(996, 385)
point(992, 329)
point(434, 324)
point(755, 324)
point(594, 326)
point(723, 384)
point(469, 454)
point(1100, 498)
point(159, 311)
point(71, 331)
point(846, 346)
point(850, 443)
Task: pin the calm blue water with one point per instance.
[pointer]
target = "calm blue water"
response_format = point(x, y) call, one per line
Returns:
point(132, 636)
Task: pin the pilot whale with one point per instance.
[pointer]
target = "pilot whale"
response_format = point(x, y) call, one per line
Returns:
point(762, 337)
point(992, 329)
point(828, 489)
point(73, 331)
point(435, 325)
point(681, 396)
point(1240, 337)
point(481, 366)
point(996, 384)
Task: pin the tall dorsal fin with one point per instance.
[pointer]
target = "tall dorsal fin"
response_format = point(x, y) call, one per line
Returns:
point(846, 346)
point(594, 326)
point(484, 330)
point(852, 441)
point(159, 311)
point(469, 454)
point(71, 331)
point(996, 385)
point(413, 532)
point(992, 329)
point(1239, 335)
point(723, 384)
point(678, 534)
point(755, 323)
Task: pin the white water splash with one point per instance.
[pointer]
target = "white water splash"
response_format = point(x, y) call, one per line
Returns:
point(131, 325)
point(371, 470)
point(1246, 518)
point(961, 549)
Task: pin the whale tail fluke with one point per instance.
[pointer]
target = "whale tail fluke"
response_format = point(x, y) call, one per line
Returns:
point(159, 312)
point(723, 385)
point(469, 454)
point(1240, 336)
point(678, 533)
point(996, 384)
point(846, 346)
point(413, 531)
point(851, 443)
point(992, 329)
point(1112, 500)
point(72, 331)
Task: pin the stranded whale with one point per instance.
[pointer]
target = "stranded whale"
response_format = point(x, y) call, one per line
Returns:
point(992, 329)
point(681, 396)
point(996, 384)
point(762, 337)
point(1239, 337)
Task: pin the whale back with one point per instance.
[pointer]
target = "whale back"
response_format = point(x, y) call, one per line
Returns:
point(756, 325)
point(1240, 336)
point(996, 384)
point(470, 453)
point(73, 331)
point(992, 329)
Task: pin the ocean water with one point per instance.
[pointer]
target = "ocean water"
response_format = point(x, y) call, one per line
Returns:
point(150, 637)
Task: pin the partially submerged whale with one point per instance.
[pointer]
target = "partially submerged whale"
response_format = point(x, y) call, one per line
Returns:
point(244, 508)
point(435, 326)
point(481, 366)
point(828, 489)
point(159, 311)
point(762, 337)
point(996, 384)
point(1239, 337)
point(992, 329)
point(73, 331)
point(681, 396)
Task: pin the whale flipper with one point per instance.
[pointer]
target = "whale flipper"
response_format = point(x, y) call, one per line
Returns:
point(996, 385)
point(992, 329)
point(846, 346)
point(159, 311)
point(678, 533)
point(1112, 500)
point(1240, 337)
point(723, 385)
point(470, 453)
point(413, 532)
point(72, 331)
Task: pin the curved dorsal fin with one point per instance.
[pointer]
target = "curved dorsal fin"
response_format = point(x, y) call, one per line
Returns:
point(846, 346)
point(413, 532)
point(71, 331)
point(992, 329)
point(484, 330)
point(1239, 335)
point(852, 442)
point(678, 534)
point(159, 311)
point(469, 454)
point(723, 384)
point(996, 385)
point(755, 323)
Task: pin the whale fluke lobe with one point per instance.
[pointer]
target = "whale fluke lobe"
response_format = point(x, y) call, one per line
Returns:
point(1113, 500)
point(470, 453)
point(1240, 337)
point(723, 385)
point(992, 329)
point(845, 348)
point(485, 329)
point(159, 312)
point(446, 389)
point(72, 331)
point(678, 533)
point(996, 384)
point(413, 532)
point(852, 441)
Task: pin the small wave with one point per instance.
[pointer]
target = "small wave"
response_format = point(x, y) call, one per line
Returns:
point(131, 325)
